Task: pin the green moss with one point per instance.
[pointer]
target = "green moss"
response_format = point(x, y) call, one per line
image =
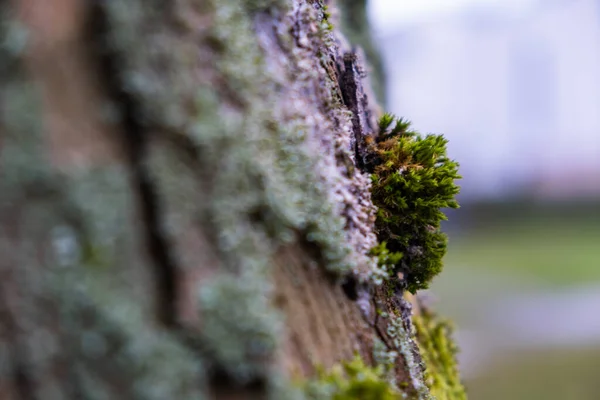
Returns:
point(352, 380)
point(438, 350)
point(412, 181)
point(385, 258)
point(326, 23)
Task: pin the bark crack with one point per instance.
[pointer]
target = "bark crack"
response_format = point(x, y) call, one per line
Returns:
point(9, 330)
point(136, 144)
point(350, 83)
point(375, 325)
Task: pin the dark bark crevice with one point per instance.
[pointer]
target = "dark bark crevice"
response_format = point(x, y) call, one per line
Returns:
point(136, 145)
point(23, 382)
point(349, 87)
point(351, 75)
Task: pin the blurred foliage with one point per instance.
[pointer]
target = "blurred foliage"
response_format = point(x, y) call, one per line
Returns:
point(567, 374)
point(557, 243)
point(497, 250)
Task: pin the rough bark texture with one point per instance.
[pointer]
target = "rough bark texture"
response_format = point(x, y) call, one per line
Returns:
point(182, 210)
point(355, 26)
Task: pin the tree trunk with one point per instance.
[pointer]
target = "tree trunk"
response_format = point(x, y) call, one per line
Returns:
point(181, 211)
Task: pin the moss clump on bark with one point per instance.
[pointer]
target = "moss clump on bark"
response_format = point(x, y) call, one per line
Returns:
point(438, 349)
point(353, 380)
point(412, 180)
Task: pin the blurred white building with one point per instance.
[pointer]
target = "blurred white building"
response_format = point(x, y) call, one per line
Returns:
point(516, 91)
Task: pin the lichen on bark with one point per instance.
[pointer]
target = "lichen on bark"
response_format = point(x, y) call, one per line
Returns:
point(183, 204)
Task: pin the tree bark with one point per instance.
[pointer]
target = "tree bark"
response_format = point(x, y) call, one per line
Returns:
point(182, 212)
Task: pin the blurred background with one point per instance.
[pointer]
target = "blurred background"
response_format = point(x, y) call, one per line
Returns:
point(515, 86)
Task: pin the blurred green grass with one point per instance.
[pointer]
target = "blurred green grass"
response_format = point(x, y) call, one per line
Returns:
point(562, 374)
point(559, 244)
point(497, 250)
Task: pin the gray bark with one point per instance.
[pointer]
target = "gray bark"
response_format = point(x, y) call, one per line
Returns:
point(179, 202)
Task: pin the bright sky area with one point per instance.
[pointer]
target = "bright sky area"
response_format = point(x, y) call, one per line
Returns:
point(389, 14)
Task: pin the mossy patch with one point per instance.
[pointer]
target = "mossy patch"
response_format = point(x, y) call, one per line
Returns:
point(412, 180)
point(438, 349)
point(353, 380)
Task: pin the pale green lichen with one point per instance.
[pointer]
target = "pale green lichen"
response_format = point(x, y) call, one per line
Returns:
point(85, 324)
point(107, 301)
point(385, 358)
point(22, 175)
point(254, 158)
point(20, 115)
point(14, 40)
point(107, 328)
point(237, 312)
point(404, 345)
point(253, 204)
point(293, 195)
